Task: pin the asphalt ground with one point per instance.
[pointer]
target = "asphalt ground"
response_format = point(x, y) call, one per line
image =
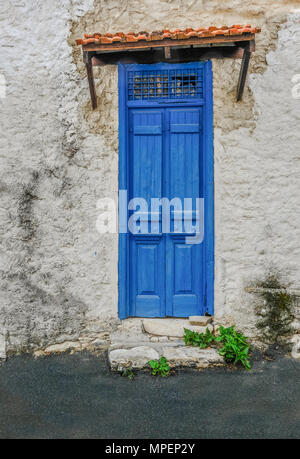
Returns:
point(76, 396)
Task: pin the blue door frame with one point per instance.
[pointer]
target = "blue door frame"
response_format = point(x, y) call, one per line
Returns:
point(205, 100)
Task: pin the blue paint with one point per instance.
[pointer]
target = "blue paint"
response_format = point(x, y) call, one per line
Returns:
point(166, 150)
point(208, 166)
point(123, 288)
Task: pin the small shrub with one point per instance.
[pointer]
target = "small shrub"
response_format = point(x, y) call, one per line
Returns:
point(235, 347)
point(160, 367)
point(202, 340)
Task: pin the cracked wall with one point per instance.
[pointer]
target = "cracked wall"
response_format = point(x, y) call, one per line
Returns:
point(58, 157)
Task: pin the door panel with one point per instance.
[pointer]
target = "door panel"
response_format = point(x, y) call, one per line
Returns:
point(148, 276)
point(184, 152)
point(147, 291)
point(146, 153)
point(184, 286)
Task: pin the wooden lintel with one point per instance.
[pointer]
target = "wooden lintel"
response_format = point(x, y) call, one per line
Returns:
point(243, 73)
point(157, 55)
point(89, 69)
point(166, 42)
point(167, 52)
point(252, 46)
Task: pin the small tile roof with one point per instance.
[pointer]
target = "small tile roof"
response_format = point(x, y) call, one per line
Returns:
point(131, 37)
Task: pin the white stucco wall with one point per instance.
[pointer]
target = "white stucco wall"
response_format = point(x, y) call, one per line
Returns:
point(257, 174)
point(57, 158)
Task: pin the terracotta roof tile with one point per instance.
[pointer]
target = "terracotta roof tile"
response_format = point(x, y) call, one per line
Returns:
point(176, 34)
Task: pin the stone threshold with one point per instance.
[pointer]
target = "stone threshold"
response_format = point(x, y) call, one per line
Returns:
point(162, 337)
point(137, 357)
point(175, 327)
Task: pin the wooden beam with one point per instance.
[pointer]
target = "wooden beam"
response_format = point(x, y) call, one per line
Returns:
point(167, 52)
point(252, 46)
point(243, 72)
point(89, 69)
point(158, 55)
point(142, 44)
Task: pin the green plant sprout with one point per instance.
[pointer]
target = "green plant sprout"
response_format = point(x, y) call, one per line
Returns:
point(160, 367)
point(234, 345)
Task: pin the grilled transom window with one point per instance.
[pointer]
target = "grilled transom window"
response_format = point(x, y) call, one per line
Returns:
point(165, 84)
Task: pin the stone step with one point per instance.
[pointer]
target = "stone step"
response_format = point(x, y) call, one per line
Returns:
point(172, 327)
point(187, 356)
point(200, 320)
point(137, 357)
point(155, 345)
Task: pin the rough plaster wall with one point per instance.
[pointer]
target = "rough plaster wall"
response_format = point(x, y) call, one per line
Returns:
point(257, 182)
point(59, 278)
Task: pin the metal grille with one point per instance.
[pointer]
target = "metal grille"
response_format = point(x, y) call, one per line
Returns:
point(165, 84)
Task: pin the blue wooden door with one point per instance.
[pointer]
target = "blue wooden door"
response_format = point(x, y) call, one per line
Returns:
point(164, 154)
point(147, 251)
point(185, 282)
